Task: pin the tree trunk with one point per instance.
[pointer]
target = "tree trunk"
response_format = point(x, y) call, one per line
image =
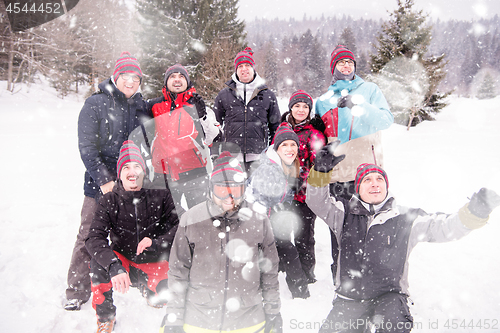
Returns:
point(412, 115)
point(10, 69)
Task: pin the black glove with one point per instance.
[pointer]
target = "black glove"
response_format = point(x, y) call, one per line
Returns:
point(318, 123)
point(274, 324)
point(325, 159)
point(483, 202)
point(172, 329)
point(345, 102)
point(200, 106)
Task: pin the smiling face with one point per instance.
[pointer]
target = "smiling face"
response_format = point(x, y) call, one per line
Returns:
point(373, 188)
point(227, 195)
point(128, 84)
point(176, 83)
point(300, 111)
point(345, 66)
point(132, 176)
point(287, 151)
point(245, 72)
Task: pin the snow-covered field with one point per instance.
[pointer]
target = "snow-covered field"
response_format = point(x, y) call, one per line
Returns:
point(435, 166)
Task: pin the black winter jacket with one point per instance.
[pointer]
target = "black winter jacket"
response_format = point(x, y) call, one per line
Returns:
point(105, 122)
point(251, 126)
point(127, 217)
point(375, 247)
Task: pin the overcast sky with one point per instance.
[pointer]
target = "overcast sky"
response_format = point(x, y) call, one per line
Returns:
point(370, 9)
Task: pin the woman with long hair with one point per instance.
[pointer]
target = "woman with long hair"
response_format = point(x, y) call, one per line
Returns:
point(311, 140)
point(271, 189)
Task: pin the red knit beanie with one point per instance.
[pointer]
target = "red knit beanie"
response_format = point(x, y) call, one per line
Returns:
point(126, 64)
point(340, 52)
point(301, 96)
point(364, 169)
point(284, 132)
point(245, 56)
point(129, 152)
point(227, 169)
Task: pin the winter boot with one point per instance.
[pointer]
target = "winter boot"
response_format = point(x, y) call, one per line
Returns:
point(73, 304)
point(300, 292)
point(106, 326)
point(152, 299)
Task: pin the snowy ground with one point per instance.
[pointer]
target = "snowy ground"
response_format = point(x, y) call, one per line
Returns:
point(435, 166)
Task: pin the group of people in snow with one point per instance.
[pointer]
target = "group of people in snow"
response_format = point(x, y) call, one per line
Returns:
point(200, 209)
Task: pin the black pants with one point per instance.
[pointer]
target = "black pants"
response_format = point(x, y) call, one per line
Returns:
point(283, 223)
point(387, 313)
point(192, 184)
point(304, 238)
point(150, 278)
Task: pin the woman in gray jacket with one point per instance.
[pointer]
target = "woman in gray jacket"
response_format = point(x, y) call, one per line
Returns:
point(223, 273)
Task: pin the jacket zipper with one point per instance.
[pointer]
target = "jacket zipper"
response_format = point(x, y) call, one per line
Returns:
point(333, 124)
point(226, 283)
point(136, 223)
point(350, 131)
point(246, 119)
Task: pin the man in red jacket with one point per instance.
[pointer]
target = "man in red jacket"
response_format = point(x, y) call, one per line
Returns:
point(184, 129)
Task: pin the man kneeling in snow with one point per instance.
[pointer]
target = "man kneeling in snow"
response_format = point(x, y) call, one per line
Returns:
point(375, 238)
point(141, 224)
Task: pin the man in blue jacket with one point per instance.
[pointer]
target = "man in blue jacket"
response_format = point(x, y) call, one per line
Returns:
point(105, 122)
point(354, 112)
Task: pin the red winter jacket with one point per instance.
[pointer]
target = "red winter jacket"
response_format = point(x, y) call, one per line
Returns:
point(311, 140)
point(178, 146)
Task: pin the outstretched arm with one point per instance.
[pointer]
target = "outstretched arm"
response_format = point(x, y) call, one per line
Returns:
point(318, 187)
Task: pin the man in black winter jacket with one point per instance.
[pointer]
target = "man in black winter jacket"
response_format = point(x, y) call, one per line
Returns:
point(248, 111)
point(105, 122)
point(141, 224)
point(376, 237)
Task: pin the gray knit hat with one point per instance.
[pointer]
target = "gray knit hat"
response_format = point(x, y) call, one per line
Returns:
point(177, 68)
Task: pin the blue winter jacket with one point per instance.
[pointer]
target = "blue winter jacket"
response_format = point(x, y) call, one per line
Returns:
point(358, 129)
point(105, 122)
point(373, 114)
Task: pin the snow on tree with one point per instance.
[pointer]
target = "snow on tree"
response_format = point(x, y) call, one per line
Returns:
point(405, 35)
point(487, 89)
point(404, 83)
point(179, 31)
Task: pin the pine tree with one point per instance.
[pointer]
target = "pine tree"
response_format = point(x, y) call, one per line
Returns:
point(179, 31)
point(271, 70)
point(487, 89)
point(348, 39)
point(406, 35)
point(313, 74)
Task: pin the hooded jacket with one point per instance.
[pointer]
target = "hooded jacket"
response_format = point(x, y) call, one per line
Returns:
point(179, 144)
point(106, 120)
point(375, 247)
point(127, 217)
point(249, 114)
point(223, 269)
point(358, 130)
